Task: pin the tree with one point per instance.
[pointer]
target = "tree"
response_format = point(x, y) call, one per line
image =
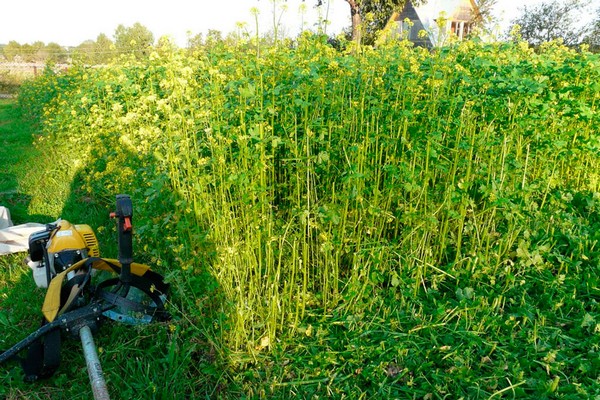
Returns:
point(214, 37)
point(370, 16)
point(97, 52)
point(592, 38)
point(12, 50)
point(55, 53)
point(552, 20)
point(356, 19)
point(485, 16)
point(84, 53)
point(37, 51)
point(194, 41)
point(133, 40)
point(30, 52)
point(103, 49)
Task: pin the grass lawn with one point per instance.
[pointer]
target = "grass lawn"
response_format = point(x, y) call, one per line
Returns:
point(390, 224)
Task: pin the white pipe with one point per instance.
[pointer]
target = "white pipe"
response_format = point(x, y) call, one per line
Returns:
point(93, 365)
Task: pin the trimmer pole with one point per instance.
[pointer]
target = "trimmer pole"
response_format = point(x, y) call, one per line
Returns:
point(93, 364)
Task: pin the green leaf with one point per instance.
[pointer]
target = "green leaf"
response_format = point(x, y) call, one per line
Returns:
point(588, 321)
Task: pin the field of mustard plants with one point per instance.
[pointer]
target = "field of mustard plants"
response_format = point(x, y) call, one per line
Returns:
point(382, 223)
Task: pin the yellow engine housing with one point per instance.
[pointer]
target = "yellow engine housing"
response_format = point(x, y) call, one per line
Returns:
point(73, 237)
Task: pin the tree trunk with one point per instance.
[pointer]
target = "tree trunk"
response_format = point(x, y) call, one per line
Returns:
point(356, 21)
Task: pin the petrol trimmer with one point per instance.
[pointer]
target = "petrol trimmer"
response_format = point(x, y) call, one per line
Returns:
point(65, 257)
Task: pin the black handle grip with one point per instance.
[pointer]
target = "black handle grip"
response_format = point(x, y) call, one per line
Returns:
point(124, 216)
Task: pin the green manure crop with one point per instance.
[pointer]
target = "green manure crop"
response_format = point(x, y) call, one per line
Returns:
point(386, 223)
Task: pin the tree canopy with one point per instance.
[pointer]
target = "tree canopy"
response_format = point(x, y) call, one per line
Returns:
point(370, 16)
point(485, 12)
point(134, 40)
point(552, 20)
point(91, 52)
point(37, 51)
point(592, 37)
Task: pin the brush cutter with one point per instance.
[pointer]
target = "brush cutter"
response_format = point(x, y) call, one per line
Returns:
point(65, 257)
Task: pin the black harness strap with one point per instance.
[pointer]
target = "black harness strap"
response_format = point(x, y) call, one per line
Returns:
point(43, 356)
point(70, 320)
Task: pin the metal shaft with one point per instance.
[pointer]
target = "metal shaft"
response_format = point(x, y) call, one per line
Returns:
point(93, 365)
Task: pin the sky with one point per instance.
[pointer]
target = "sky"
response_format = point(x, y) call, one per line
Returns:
point(70, 22)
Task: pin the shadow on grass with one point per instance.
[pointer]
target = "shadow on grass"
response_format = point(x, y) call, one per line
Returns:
point(20, 304)
point(175, 359)
point(179, 359)
point(18, 204)
point(31, 183)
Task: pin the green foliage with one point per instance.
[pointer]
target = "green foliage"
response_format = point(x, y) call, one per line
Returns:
point(390, 224)
point(374, 16)
point(38, 51)
point(553, 20)
point(485, 15)
point(97, 52)
point(11, 50)
point(593, 37)
point(15, 141)
point(133, 40)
